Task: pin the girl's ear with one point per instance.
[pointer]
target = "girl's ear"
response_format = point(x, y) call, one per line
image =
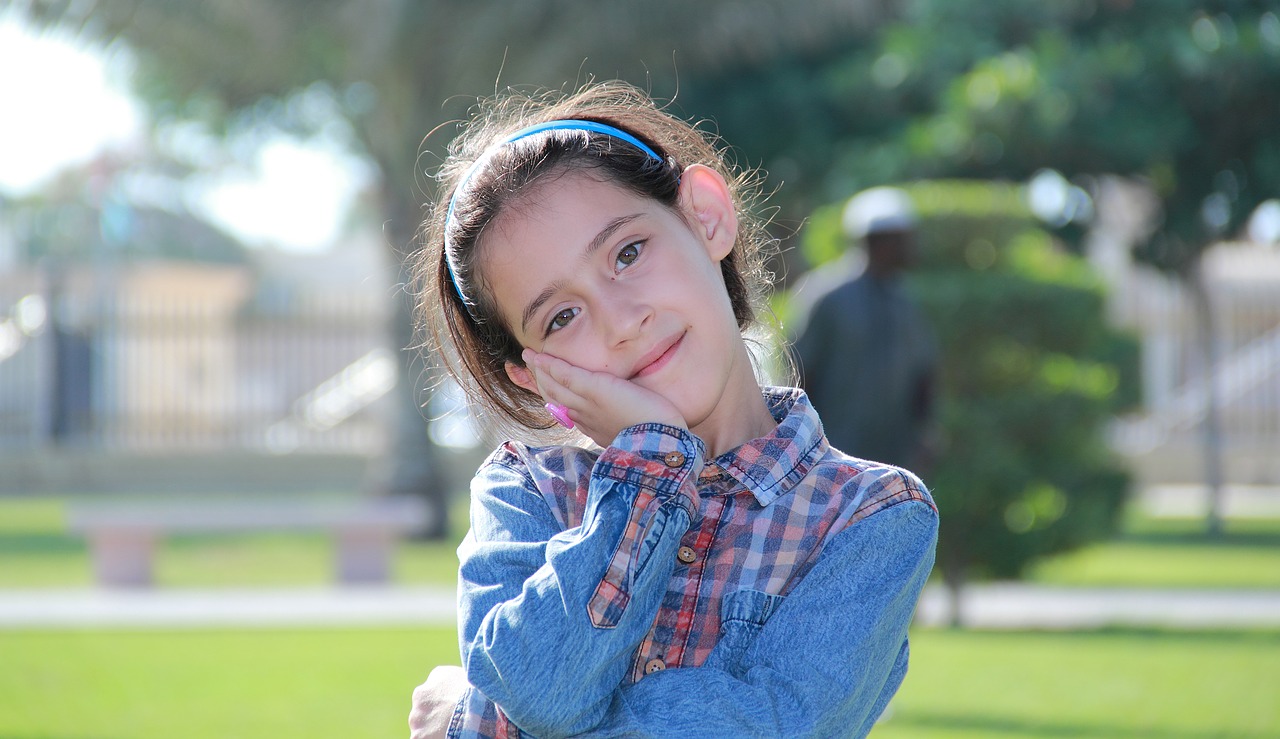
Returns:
point(705, 196)
point(522, 377)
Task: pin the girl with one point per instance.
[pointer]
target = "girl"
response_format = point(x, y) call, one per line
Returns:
point(710, 566)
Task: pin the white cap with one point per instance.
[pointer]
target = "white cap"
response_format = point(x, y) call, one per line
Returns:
point(878, 210)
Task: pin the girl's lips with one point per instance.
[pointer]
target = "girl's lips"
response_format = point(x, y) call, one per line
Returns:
point(659, 359)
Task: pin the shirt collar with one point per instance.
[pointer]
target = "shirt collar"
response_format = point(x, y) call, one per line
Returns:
point(770, 466)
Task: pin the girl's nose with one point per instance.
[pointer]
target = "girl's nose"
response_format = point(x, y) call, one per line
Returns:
point(625, 318)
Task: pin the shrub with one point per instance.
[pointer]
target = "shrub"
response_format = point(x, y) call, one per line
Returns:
point(1030, 374)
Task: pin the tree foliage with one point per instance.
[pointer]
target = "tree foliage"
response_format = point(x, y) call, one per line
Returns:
point(1180, 94)
point(400, 68)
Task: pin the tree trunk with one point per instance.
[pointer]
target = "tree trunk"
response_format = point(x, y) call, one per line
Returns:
point(413, 464)
point(1207, 344)
point(953, 578)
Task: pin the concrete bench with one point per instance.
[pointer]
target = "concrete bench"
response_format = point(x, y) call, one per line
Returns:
point(122, 535)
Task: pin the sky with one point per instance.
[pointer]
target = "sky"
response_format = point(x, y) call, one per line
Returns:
point(62, 107)
point(67, 101)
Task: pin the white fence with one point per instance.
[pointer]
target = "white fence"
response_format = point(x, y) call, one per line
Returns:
point(188, 358)
point(1243, 368)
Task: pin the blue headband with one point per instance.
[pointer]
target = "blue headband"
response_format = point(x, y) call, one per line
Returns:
point(562, 125)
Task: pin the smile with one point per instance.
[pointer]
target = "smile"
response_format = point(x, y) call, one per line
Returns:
point(658, 358)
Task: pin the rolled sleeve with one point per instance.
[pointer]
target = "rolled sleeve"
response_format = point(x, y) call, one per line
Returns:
point(549, 618)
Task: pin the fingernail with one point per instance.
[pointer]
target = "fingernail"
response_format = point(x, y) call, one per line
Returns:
point(561, 414)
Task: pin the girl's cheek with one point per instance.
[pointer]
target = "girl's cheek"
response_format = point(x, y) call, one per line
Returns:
point(585, 354)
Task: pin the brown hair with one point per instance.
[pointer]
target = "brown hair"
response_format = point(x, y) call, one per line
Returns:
point(469, 334)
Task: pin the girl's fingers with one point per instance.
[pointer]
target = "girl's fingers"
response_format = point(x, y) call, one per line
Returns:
point(598, 403)
point(558, 378)
point(551, 374)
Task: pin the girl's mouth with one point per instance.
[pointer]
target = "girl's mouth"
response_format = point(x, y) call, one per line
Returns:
point(659, 358)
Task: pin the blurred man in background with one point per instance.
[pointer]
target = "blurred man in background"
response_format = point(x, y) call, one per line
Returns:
point(867, 356)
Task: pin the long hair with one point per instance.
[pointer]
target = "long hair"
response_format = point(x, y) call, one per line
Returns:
point(482, 176)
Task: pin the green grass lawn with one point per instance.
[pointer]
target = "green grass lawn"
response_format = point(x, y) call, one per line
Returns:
point(36, 551)
point(353, 683)
point(256, 683)
point(1109, 684)
point(1173, 553)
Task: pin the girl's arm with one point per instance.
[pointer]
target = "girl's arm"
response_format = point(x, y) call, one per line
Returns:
point(549, 619)
point(825, 663)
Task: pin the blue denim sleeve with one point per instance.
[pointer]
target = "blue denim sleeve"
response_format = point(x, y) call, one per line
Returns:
point(549, 619)
point(825, 663)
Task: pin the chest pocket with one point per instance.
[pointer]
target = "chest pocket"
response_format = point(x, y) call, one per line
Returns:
point(742, 615)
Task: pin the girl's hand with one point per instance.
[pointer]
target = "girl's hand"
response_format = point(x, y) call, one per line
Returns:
point(434, 702)
point(599, 403)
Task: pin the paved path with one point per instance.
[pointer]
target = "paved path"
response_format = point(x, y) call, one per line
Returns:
point(1019, 605)
point(93, 607)
point(995, 606)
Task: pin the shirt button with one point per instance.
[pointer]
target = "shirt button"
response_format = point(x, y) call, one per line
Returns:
point(687, 555)
point(673, 459)
point(654, 665)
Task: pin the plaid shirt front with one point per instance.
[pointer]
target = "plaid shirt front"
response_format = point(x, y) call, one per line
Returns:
point(588, 572)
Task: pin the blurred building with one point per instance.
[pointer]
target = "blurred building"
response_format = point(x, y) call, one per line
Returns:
point(144, 359)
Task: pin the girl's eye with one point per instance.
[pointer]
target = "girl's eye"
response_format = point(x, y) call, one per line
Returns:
point(628, 254)
point(561, 319)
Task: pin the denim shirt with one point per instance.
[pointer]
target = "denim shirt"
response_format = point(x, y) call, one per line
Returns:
point(642, 590)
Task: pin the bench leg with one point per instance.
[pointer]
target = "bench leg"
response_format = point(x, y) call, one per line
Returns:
point(364, 554)
point(123, 558)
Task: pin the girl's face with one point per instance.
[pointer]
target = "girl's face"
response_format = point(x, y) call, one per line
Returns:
point(612, 282)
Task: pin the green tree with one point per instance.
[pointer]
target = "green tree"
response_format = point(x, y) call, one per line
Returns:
point(1178, 94)
point(1030, 372)
point(395, 72)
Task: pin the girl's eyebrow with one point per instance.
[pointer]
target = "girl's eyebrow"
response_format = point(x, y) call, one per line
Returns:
point(600, 239)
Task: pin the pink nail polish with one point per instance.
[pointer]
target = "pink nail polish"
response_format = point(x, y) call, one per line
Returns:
point(561, 414)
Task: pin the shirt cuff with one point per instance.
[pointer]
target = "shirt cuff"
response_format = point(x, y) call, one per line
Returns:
point(657, 457)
